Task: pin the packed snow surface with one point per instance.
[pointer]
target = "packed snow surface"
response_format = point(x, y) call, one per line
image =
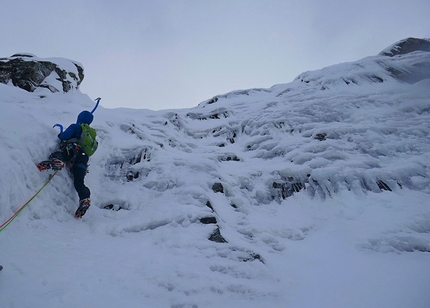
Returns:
point(322, 197)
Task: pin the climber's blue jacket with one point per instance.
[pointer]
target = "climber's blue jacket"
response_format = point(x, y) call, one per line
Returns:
point(75, 130)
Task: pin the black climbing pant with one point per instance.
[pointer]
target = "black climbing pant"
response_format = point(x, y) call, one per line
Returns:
point(76, 159)
point(79, 170)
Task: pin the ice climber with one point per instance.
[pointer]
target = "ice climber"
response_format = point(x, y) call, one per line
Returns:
point(74, 155)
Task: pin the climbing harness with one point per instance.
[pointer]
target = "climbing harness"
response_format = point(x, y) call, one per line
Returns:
point(7, 222)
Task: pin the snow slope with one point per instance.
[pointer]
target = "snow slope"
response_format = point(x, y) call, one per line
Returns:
point(324, 201)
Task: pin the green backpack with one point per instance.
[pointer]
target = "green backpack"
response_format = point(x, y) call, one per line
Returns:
point(88, 140)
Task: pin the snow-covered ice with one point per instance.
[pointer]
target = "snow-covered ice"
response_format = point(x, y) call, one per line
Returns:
point(324, 202)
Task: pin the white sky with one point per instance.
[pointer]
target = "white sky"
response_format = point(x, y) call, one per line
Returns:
point(162, 54)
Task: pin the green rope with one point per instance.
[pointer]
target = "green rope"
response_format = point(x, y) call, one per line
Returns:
point(7, 222)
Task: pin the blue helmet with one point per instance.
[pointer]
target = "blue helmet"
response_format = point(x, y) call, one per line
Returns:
point(85, 117)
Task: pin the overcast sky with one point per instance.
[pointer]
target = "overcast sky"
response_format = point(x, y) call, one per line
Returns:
point(162, 54)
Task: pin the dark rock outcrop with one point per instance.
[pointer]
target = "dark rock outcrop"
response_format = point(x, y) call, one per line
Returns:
point(405, 46)
point(419, 67)
point(28, 72)
point(217, 237)
point(218, 188)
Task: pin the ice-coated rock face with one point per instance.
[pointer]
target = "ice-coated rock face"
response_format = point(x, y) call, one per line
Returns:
point(29, 72)
point(341, 127)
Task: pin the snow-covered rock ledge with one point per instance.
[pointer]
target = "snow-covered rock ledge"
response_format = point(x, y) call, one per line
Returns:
point(29, 72)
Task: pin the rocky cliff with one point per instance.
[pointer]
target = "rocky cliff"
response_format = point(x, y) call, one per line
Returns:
point(30, 73)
